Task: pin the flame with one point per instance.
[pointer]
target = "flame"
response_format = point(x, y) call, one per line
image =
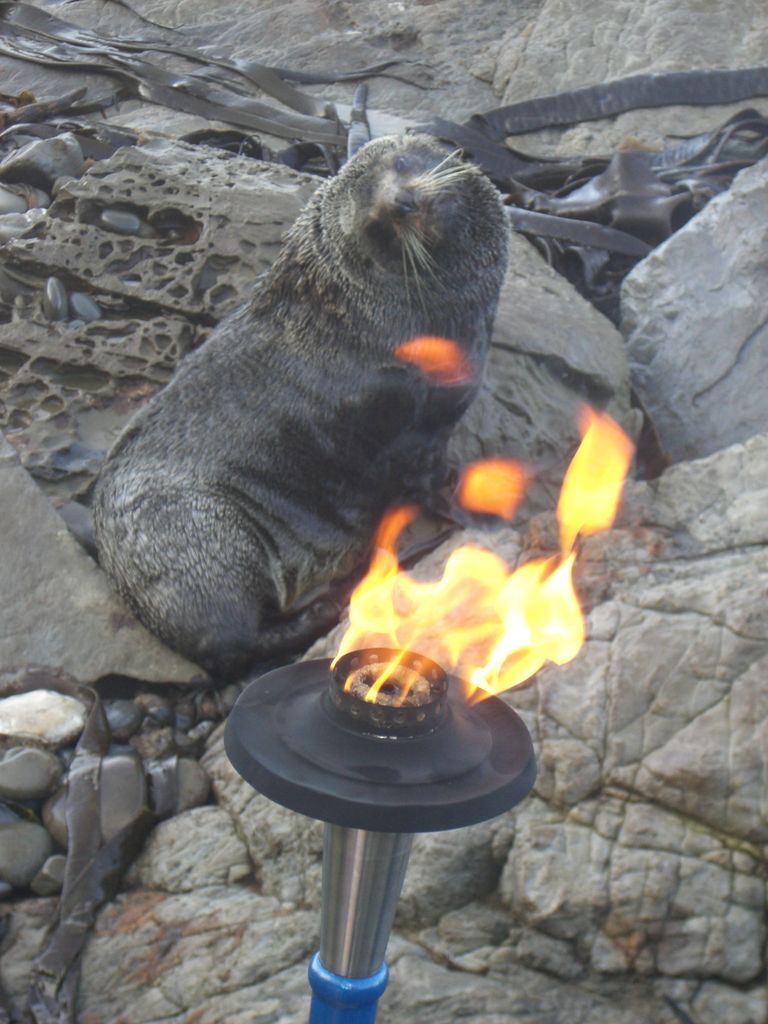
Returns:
point(493, 486)
point(438, 358)
point(494, 627)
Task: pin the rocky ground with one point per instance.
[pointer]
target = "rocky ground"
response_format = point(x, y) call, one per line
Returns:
point(635, 874)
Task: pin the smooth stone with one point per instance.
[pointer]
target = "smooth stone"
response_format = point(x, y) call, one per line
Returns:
point(122, 792)
point(155, 744)
point(202, 729)
point(55, 817)
point(7, 815)
point(229, 695)
point(155, 707)
point(41, 162)
point(13, 225)
point(55, 299)
point(83, 307)
point(193, 785)
point(124, 718)
point(52, 717)
point(185, 715)
point(27, 773)
point(125, 223)
point(24, 847)
point(5, 890)
point(11, 203)
point(50, 878)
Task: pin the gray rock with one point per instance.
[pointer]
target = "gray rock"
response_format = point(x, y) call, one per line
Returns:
point(196, 848)
point(52, 717)
point(24, 846)
point(551, 353)
point(13, 225)
point(55, 818)
point(41, 162)
point(122, 793)
point(59, 610)
point(27, 773)
point(241, 938)
point(124, 717)
point(694, 316)
point(50, 878)
point(554, 47)
point(11, 203)
point(84, 308)
point(194, 785)
point(55, 299)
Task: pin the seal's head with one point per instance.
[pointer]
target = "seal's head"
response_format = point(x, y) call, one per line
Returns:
point(410, 208)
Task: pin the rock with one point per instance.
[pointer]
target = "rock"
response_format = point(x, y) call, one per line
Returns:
point(123, 797)
point(155, 708)
point(82, 307)
point(538, 377)
point(59, 610)
point(54, 817)
point(193, 783)
point(154, 743)
point(46, 715)
point(41, 162)
point(50, 878)
point(24, 846)
point(27, 773)
point(11, 203)
point(694, 317)
point(13, 225)
point(241, 938)
point(124, 717)
point(553, 47)
point(285, 848)
point(122, 793)
point(55, 299)
point(446, 870)
point(69, 391)
point(196, 848)
point(715, 1001)
point(23, 926)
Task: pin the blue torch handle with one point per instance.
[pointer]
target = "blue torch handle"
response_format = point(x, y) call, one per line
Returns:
point(340, 1000)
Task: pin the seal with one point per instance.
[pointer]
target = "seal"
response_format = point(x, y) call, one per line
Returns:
point(261, 471)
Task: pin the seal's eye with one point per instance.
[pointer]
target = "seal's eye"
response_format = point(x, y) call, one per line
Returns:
point(401, 164)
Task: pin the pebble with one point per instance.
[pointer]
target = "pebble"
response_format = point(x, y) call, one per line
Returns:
point(157, 708)
point(193, 785)
point(55, 299)
point(24, 847)
point(155, 744)
point(52, 717)
point(122, 793)
point(125, 223)
point(27, 773)
point(185, 715)
point(11, 203)
point(50, 878)
point(228, 696)
point(202, 729)
point(192, 746)
point(54, 817)
point(5, 890)
point(41, 162)
point(124, 717)
point(82, 307)
point(12, 225)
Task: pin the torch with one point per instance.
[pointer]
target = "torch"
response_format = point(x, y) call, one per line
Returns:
point(382, 743)
point(418, 756)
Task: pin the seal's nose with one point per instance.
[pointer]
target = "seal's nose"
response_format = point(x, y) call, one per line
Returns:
point(404, 202)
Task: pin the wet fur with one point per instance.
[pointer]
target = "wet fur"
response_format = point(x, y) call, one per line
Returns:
point(263, 468)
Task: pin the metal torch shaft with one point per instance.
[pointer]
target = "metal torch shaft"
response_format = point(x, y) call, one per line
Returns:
point(363, 874)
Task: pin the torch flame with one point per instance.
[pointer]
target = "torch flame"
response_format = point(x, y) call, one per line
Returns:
point(494, 627)
point(439, 359)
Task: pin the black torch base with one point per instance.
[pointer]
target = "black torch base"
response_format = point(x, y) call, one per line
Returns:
point(290, 738)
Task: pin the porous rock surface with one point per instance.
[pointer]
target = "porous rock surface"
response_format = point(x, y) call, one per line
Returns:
point(66, 390)
point(695, 318)
point(635, 870)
